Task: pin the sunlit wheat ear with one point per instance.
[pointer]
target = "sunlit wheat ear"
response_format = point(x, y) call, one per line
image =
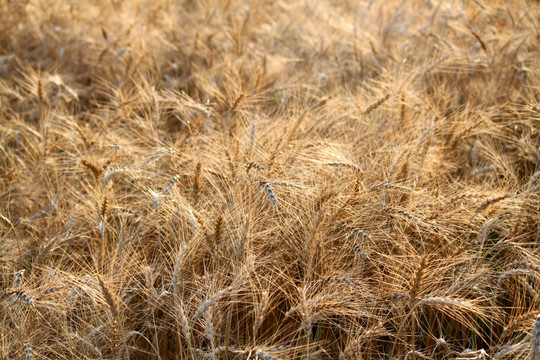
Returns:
point(429, 68)
point(210, 329)
point(170, 184)
point(486, 229)
point(216, 297)
point(202, 309)
point(197, 182)
point(93, 167)
point(390, 210)
point(253, 165)
point(532, 181)
point(17, 279)
point(260, 309)
point(27, 351)
point(116, 321)
point(218, 230)
point(251, 139)
point(104, 208)
point(414, 354)
point(237, 102)
point(176, 269)
point(261, 354)
point(375, 105)
point(87, 344)
point(515, 323)
point(365, 336)
point(418, 279)
point(155, 200)
point(344, 165)
point(305, 305)
point(492, 201)
point(5, 221)
point(49, 291)
point(269, 353)
point(40, 91)
point(186, 329)
point(269, 192)
point(508, 350)
point(107, 176)
point(403, 113)
point(25, 298)
point(109, 299)
point(449, 302)
point(519, 268)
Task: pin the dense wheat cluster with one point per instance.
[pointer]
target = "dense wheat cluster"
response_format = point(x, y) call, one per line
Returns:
point(208, 179)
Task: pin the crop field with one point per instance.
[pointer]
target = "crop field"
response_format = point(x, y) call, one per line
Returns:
point(270, 179)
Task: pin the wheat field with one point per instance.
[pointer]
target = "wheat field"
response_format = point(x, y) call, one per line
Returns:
point(207, 179)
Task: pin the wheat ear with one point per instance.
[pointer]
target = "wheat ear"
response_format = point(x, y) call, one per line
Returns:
point(536, 339)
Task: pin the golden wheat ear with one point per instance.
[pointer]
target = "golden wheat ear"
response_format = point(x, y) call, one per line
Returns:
point(93, 167)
